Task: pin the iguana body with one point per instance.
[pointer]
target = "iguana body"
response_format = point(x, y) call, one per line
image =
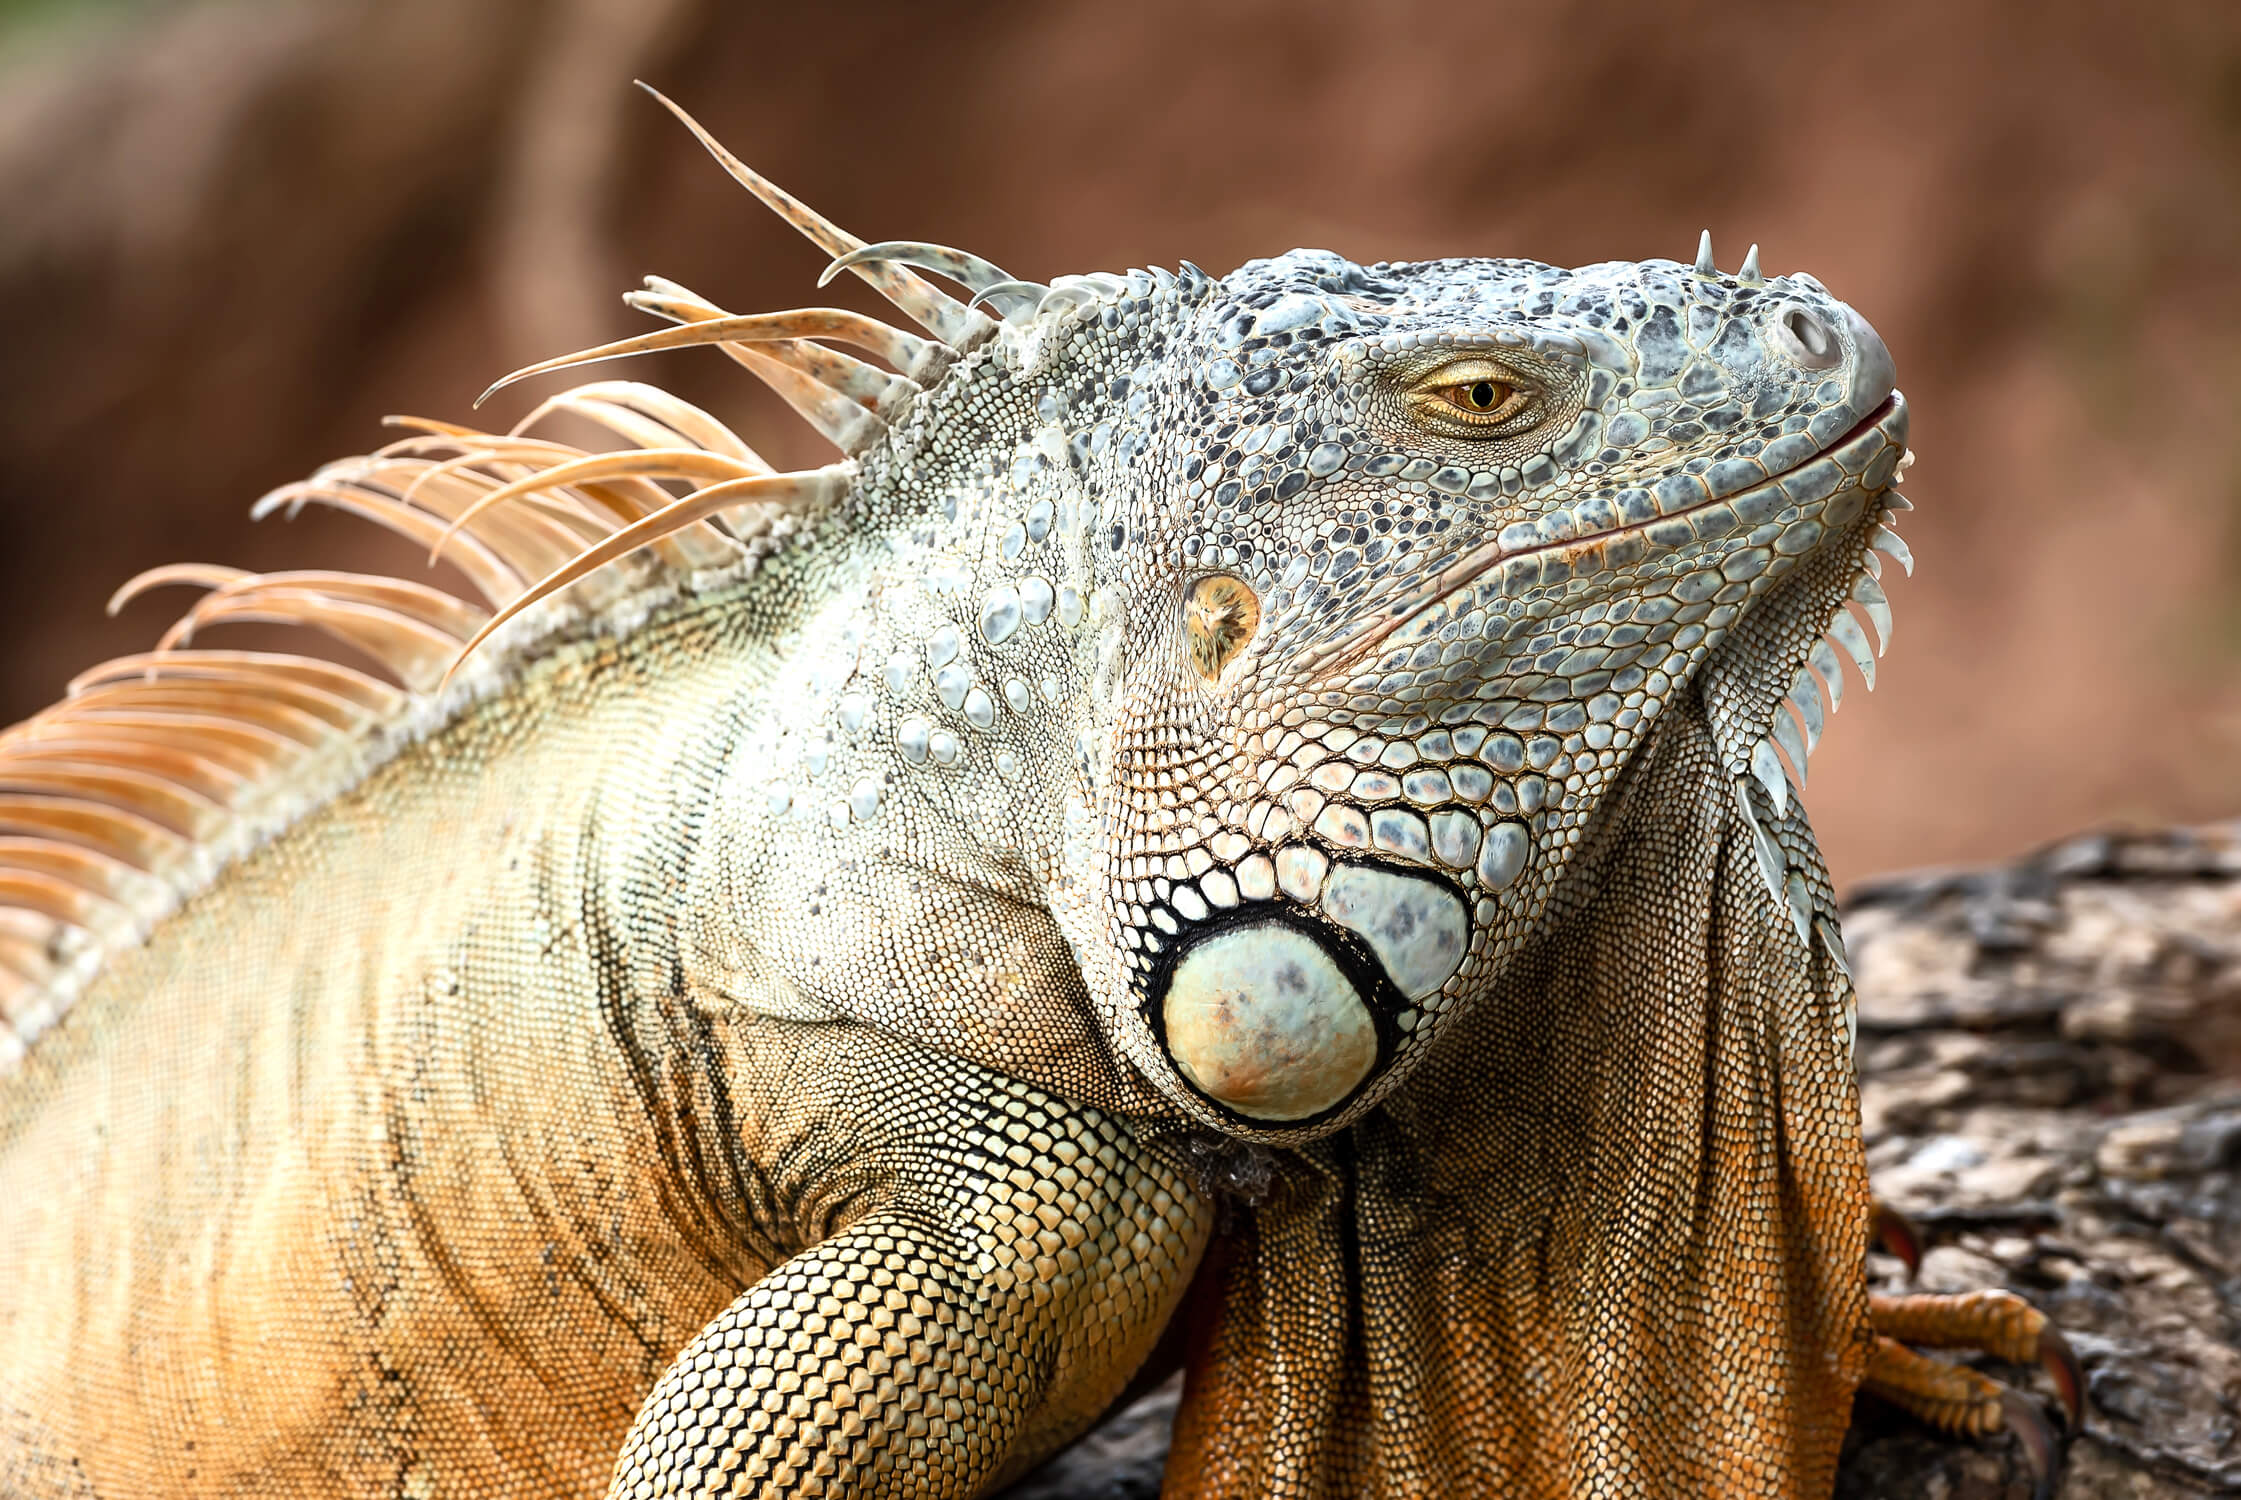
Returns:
point(1300, 738)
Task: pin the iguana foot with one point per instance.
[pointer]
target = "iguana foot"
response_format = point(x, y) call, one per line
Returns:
point(2000, 1324)
point(1955, 1398)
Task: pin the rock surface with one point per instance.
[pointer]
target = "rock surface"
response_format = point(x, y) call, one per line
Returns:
point(2050, 1058)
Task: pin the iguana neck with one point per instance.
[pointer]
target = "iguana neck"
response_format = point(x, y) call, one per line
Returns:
point(918, 703)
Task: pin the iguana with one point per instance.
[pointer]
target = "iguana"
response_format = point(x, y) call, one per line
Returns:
point(1246, 820)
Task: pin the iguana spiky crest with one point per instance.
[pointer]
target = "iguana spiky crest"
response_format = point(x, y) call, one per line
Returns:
point(158, 769)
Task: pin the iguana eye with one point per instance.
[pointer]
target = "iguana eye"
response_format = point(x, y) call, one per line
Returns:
point(1480, 395)
point(1471, 398)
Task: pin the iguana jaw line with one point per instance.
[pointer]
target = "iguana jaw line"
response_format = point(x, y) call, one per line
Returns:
point(1883, 429)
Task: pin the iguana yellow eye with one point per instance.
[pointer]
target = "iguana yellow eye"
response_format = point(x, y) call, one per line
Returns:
point(1479, 395)
point(1219, 617)
point(1472, 396)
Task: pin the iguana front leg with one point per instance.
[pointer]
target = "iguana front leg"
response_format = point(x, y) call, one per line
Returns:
point(1023, 1267)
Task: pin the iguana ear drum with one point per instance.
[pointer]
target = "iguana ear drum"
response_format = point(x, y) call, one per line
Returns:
point(1262, 1020)
point(1219, 617)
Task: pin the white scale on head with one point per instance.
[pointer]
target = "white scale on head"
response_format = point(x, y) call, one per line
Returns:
point(1418, 930)
point(1261, 1018)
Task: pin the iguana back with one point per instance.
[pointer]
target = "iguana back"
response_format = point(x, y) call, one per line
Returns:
point(373, 1185)
point(419, 1132)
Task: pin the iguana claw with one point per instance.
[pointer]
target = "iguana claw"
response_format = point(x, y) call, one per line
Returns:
point(1894, 1234)
point(2060, 1361)
point(2027, 1420)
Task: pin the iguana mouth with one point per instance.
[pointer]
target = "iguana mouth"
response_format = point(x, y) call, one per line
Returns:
point(1852, 457)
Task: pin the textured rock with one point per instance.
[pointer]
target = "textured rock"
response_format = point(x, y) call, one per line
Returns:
point(1121, 1460)
point(2050, 1057)
point(2050, 1060)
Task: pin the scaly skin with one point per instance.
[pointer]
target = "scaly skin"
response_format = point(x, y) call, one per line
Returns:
point(347, 1187)
point(1189, 742)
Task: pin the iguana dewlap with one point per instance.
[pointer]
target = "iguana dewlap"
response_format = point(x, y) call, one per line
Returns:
point(787, 1009)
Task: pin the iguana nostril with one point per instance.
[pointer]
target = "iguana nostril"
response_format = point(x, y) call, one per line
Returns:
point(1804, 339)
point(1809, 333)
point(1261, 1019)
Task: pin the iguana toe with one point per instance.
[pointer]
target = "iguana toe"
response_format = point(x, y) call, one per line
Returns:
point(1957, 1399)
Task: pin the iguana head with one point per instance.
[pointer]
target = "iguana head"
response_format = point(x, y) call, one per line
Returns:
point(1394, 566)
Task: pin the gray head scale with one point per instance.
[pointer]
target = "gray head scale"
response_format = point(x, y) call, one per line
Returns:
point(1395, 566)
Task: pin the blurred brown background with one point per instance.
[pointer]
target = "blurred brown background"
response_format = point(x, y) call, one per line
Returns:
point(233, 235)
